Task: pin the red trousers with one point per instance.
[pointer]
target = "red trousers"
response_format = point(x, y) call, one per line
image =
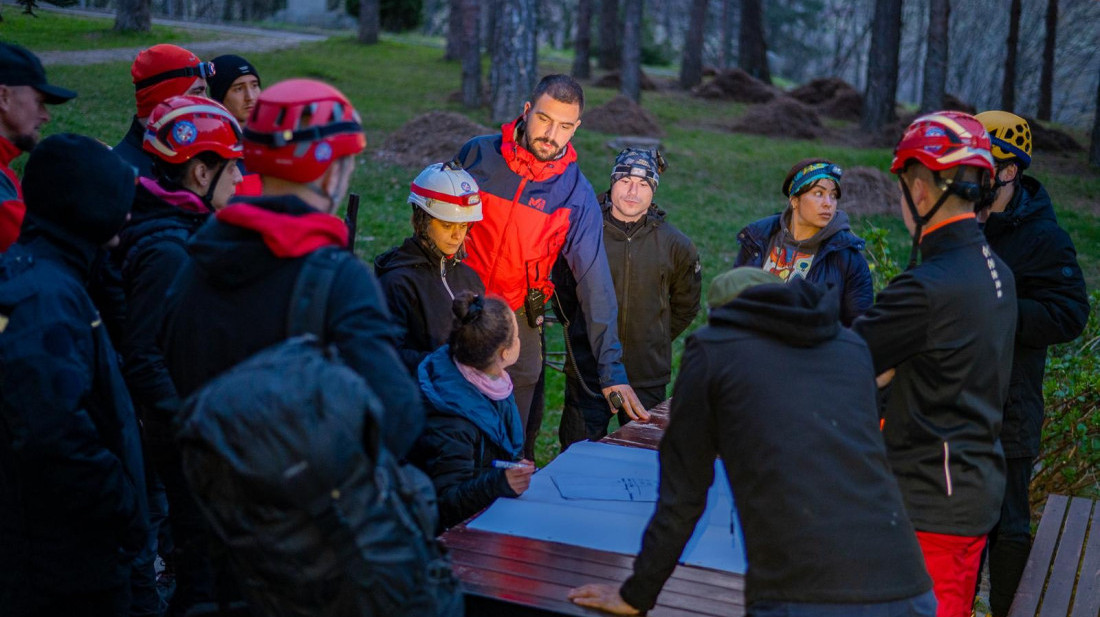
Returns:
point(953, 563)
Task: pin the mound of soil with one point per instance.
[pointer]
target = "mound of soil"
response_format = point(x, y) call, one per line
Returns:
point(614, 80)
point(1051, 140)
point(782, 117)
point(950, 101)
point(622, 116)
point(736, 85)
point(433, 137)
point(821, 90)
point(867, 190)
point(844, 105)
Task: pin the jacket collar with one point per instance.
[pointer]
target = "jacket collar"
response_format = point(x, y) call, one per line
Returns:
point(522, 162)
point(8, 151)
point(286, 234)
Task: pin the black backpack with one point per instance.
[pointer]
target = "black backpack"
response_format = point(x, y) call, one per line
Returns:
point(284, 455)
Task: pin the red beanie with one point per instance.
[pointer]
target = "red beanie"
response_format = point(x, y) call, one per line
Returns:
point(157, 61)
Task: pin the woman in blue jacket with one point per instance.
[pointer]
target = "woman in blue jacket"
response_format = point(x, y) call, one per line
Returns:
point(472, 415)
point(811, 239)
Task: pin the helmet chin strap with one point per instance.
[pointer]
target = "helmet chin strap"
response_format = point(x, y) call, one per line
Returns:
point(208, 198)
point(921, 221)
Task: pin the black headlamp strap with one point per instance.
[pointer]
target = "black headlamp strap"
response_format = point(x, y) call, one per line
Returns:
point(316, 133)
point(188, 71)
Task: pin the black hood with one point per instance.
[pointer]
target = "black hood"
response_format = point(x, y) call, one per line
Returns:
point(409, 254)
point(799, 313)
point(150, 214)
point(232, 256)
point(1031, 201)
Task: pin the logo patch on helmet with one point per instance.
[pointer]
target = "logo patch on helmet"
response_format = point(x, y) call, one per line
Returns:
point(466, 186)
point(184, 132)
point(322, 152)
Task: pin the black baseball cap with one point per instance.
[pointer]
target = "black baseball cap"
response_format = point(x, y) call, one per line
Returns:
point(19, 67)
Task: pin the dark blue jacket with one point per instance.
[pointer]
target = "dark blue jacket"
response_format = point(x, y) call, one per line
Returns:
point(72, 488)
point(465, 432)
point(131, 150)
point(839, 261)
point(1050, 299)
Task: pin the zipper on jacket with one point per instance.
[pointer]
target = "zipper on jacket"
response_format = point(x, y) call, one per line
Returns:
point(443, 276)
point(947, 467)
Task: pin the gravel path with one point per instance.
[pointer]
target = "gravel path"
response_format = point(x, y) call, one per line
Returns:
point(237, 39)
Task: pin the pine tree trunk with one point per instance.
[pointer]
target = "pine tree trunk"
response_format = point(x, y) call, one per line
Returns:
point(691, 65)
point(609, 35)
point(726, 40)
point(631, 74)
point(453, 50)
point(882, 66)
point(515, 59)
point(1094, 150)
point(936, 57)
point(133, 16)
point(1046, 79)
point(582, 66)
point(470, 32)
point(752, 49)
point(369, 21)
point(1008, 86)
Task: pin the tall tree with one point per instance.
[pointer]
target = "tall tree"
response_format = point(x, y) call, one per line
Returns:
point(370, 20)
point(935, 57)
point(752, 49)
point(882, 66)
point(133, 16)
point(469, 18)
point(610, 28)
point(453, 49)
point(582, 65)
point(1008, 86)
point(691, 64)
point(1046, 78)
point(515, 58)
point(1094, 149)
point(726, 40)
point(631, 73)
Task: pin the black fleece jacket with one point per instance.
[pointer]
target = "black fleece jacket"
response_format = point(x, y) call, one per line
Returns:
point(1051, 300)
point(234, 303)
point(786, 396)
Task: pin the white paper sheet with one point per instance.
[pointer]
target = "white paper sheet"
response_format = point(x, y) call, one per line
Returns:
point(612, 524)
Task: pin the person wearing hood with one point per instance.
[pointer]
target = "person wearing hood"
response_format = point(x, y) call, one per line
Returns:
point(424, 274)
point(1052, 308)
point(194, 143)
point(848, 550)
point(72, 485)
point(473, 420)
point(812, 239)
point(233, 298)
point(658, 281)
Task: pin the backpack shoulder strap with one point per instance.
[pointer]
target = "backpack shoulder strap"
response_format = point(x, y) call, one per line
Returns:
point(309, 300)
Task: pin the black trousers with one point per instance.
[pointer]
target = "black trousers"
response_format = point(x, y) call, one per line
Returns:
point(586, 415)
point(529, 382)
point(1010, 540)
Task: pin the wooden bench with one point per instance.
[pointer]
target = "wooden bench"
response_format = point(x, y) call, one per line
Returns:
point(1062, 577)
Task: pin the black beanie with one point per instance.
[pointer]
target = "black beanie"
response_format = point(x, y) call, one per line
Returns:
point(226, 71)
point(79, 185)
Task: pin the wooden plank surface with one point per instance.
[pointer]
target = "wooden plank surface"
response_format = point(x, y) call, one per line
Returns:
point(1063, 572)
point(1034, 578)
point(1086, 602)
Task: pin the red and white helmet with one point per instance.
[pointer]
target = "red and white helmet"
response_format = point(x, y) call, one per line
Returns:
point(943, 140)
point(298, 128)
point(446, 192)
point(183, 126)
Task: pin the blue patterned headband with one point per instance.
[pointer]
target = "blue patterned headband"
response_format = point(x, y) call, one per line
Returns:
point(812, 172)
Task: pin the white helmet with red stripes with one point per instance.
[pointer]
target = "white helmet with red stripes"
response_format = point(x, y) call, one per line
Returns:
point(446, 192)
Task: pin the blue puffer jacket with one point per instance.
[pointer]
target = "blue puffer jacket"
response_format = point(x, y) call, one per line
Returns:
point(466, 430)
point(72, 484)
point(839, 261)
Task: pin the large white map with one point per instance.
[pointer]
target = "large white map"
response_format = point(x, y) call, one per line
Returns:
point(611, 490)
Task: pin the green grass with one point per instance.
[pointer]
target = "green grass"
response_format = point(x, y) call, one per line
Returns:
point(716, 183)
point(57, 32)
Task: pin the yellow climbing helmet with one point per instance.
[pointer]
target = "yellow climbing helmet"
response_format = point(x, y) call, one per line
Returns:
point(1010, 134)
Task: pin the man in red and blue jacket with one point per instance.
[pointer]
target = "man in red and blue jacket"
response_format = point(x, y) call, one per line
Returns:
point(537, 206)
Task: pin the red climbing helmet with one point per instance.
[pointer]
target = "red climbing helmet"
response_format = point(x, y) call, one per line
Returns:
point(298, 127)
point(184, 126)
point(943, 140)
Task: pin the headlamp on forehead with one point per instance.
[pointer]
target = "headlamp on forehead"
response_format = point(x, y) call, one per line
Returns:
point(813, 172)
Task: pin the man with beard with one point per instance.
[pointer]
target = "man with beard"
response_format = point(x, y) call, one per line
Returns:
point(538, 205)
point(24, 94)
